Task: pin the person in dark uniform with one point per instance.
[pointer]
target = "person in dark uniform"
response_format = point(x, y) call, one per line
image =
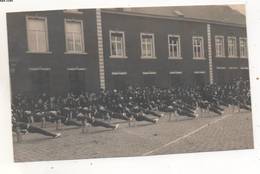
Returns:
point(86, 116)
point(22, 127)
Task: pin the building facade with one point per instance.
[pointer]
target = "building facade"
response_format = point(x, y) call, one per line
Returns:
point(85, 50)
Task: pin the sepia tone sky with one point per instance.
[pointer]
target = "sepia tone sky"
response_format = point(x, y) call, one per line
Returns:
point(240, 8)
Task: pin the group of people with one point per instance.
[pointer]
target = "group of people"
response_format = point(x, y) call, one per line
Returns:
point(130, 104)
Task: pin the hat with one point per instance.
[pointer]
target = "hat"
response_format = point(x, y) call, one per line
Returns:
point(101, 108)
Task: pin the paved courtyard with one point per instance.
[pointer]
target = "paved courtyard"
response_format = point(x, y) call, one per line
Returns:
point(180, 135)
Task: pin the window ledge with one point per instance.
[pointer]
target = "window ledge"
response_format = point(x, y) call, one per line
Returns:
point(148, 57)
point(233, 57)
point(199, 58)
point(77, 53)
point(35, 52)
point(220, 57)
point(175, 58)
point(244, 57)
point(118, 57)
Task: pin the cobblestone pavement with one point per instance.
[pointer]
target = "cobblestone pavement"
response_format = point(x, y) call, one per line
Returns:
point(180, 135)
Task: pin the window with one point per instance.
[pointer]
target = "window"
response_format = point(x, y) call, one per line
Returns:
point(243, 47)
point(232, 47)
point(37, 34)
point(198, 47)
point(147, 45)
point(117, 44)
point(74, 36)
point(174, 46)
point(219, 46)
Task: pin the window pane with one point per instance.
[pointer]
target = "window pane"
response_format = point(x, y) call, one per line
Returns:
point(78, 44)
point(36, 24)
point(119, 38)
point(171, 40)
point(149, 53)
point(113, 38)
point(147, 36)
point(243, 48)
point(119, 52)
point(171, 51)
point(199, 52)
point(42, 42)
point(74, 27)
point(69, 41)
point(32, 42)
point(175, 51)
point(113, 49)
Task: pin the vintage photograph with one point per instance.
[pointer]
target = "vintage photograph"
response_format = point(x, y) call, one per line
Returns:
point(124, 82)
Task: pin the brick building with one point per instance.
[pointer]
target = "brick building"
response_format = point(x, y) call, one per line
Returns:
point(89, 49)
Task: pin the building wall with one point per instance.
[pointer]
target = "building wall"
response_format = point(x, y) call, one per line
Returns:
point(134, 65)
point(228, 63)
point(132, 26)
point(57, 60)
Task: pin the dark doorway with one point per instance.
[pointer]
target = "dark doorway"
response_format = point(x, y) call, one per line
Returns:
point(199, 79)
point(221, 76)
point(119, 81)
point(244, 73)
point(77, 81)
point(176, 80)
point(149, 80)
point(40, 80)
point(233, 74)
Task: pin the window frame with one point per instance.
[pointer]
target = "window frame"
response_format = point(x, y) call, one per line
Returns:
point(46, 34)
point(246, 47)
point(202, 48)
point(67, 20)
point(236, 55)
point(153, 56)
point(123, 44)
point(223, 55)
point(179, 47)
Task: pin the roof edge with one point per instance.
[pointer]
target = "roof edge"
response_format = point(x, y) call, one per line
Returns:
point(173, 18)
